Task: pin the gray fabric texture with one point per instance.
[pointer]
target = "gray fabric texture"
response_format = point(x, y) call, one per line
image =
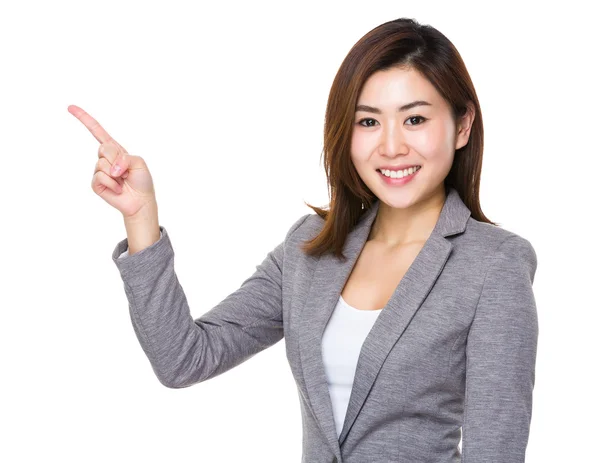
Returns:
point(454, 348)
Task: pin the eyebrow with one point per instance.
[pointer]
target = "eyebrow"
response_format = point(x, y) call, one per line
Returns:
point(406, 107)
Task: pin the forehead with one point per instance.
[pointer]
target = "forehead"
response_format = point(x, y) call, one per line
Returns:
point(393, 87)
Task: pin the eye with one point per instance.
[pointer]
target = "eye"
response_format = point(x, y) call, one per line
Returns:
point(366, 119)
point(360, 122)
point(416, 117)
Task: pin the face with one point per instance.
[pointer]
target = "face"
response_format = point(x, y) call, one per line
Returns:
point(424, 134)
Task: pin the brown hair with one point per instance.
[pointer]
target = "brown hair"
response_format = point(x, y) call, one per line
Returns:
point(399, 43)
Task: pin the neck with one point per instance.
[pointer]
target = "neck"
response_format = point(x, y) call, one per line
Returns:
point(395, 227)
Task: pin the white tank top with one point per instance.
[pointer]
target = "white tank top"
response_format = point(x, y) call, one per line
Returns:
point(343, 338)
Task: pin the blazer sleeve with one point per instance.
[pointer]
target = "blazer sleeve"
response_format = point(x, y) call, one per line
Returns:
point(183, 351)
point(500, 358)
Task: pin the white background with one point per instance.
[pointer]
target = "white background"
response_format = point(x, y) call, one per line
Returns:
point(225, 101)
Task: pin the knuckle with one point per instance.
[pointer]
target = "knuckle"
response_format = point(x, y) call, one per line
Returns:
point(107, 149)
point(96, 182)
point(102, 165)
point(102, 150)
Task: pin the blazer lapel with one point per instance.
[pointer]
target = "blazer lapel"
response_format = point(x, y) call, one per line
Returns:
point(328, 281)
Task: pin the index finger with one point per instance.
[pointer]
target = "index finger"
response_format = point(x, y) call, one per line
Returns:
point(92, 124)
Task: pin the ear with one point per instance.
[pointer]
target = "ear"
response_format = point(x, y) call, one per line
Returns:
point(463, 128)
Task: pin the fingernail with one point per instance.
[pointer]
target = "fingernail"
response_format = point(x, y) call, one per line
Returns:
point(115, 169)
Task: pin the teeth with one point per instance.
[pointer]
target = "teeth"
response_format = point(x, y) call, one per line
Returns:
point(400, 173)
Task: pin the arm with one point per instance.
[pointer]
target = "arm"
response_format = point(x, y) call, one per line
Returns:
point(501, 355)
point(184, 351)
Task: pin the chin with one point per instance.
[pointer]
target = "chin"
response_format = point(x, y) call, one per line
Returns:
point(399, 199)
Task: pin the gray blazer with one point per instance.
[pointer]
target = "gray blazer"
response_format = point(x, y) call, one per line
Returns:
point(454, 347)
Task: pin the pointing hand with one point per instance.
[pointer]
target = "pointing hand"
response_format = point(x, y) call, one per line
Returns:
point(121, 179)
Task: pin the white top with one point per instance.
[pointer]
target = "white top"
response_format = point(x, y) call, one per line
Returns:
point(342, 341)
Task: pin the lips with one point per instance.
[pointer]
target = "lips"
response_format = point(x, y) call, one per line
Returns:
point(398, 181)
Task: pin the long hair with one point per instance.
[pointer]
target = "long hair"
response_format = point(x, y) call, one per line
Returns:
point(399, 43)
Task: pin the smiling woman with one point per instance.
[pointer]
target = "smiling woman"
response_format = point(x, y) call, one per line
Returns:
point(404, 231)
point(390, 347)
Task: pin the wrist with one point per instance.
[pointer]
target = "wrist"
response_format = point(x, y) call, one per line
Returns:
point(142, 228)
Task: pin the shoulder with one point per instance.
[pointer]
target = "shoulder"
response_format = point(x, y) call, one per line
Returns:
point(492, 245)
point(493, 237)
point(305, 227)
point(302, 230)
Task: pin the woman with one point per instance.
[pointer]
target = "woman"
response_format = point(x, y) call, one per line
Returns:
point(408, 315)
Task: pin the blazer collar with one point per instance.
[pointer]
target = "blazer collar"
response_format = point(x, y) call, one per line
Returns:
point(328, 281)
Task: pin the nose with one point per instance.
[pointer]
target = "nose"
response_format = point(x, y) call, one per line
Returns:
point(393, 141)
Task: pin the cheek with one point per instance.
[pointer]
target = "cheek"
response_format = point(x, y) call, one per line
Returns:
point(360, 144)
point(360, 152)
point(434, 144)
